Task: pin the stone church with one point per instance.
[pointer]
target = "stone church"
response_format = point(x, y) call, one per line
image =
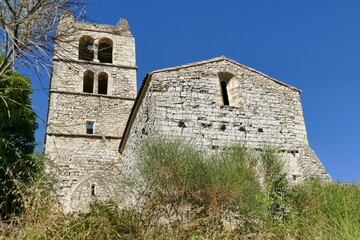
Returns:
point(97, 121)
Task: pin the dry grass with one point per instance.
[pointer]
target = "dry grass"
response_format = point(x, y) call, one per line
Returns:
point(193, 196)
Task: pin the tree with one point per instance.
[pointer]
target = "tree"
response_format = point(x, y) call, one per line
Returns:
point(17, 141)
point(27, 34)
point(27, 30)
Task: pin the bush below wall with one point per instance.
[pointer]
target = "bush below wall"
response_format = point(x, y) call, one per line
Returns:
point(237, 194)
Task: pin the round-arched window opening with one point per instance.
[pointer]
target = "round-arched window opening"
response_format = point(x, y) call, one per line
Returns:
point(105, 50)
point(88, 83)
point(86, 48)
point(102, 83)
point(225, 78)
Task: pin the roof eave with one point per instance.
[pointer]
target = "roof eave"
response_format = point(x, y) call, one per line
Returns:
point(134, 111)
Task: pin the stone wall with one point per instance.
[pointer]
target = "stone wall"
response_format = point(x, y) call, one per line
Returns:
point(84, 129)
point(123, 52)
point(265, 113)
point(81, 162)
point(70, 76)
point(69, 113)
point(186, 102)
point(69, 33)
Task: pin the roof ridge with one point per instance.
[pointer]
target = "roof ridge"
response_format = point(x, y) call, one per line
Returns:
point(215, 59)
point(221, 58)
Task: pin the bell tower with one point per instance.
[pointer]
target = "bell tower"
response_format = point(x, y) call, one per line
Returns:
point(92, 90)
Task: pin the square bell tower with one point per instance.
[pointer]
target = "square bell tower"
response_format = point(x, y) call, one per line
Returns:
point(92, 91)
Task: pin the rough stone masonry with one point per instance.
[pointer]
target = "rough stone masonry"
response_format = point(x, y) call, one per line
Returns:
point(213, 104)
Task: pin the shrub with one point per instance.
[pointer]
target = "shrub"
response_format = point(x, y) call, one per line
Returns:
point(188, 184)
point(192, 195)
point(323, 211)
point(17, 141)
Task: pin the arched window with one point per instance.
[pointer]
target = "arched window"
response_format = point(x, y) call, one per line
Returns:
point(86, 48)
point(105, 50)
point(88, 83)
point(224, 92)
point(102, 83)
point(226, 87)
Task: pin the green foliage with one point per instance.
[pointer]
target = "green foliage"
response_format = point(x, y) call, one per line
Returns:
point(17, 142)
point(233, 182)
point(317, 211)
point(210, 186)
point(191, 195)
point(276, 183)
point(171, 169)
point(322, 211)
point(103, 221)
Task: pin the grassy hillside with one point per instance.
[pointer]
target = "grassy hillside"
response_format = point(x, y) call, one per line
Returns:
point(191, 195)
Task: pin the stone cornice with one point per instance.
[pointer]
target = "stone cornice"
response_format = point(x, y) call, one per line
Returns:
point(92, 95)
point(94, 63)
point(83, 135)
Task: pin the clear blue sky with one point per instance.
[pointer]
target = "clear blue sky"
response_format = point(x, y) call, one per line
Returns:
point(312, 45)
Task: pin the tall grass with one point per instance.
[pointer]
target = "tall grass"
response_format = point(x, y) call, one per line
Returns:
point(222, 189)
point(322, 211)
point(235, 194)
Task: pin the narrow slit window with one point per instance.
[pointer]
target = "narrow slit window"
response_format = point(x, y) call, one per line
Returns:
point(103, 83)
point(224, 92)
point(93, 189)
point(90, 127)
point(88, 83)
